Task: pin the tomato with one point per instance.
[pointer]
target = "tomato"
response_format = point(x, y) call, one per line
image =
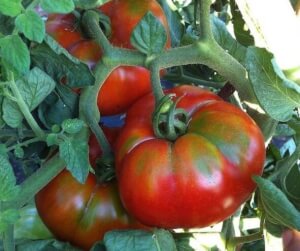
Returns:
point(81, 213)
point(200, 178)
point(64, 29)
point(126, 83)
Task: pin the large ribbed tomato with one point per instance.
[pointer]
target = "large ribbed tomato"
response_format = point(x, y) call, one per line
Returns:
point(198, 179)
point(126, 83)
point(81, 213)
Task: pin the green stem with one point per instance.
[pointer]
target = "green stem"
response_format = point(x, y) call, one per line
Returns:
point(184, 78)
point(235, 241)
point(36, 182)
point(8, 239)
point(25, 143)
point(4, 133)
point(88, 108)
point(24, 108)
point(245, 239)
point(155, 82)
point(205, 51)
point(205, 26)
point(91, 21)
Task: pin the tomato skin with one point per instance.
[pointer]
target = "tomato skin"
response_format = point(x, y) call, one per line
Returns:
point(64, 29)
point(199, 179)
point(81, 213)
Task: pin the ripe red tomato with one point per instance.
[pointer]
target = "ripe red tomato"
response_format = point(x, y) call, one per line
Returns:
point(64, 29)
point(198, 179)
point(81, 213)
point(126, 83)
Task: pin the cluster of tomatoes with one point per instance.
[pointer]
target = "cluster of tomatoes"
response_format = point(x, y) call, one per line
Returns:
point(196, 180)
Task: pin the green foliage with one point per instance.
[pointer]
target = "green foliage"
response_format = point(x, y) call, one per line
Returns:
point(278, 209)
point(277, 95)
point(34, 88)
point(60, 65)
point(175, 24)
point(8, 217)
point(15, 54)
point(58, 106)
point(134, 240)
point(225, 39)
point(58, 6)
point(75, 153)
point(11, 7)
point(31, 25)
point(149, 36)
point(72, 126)
point(8, 189)
point(45, 75)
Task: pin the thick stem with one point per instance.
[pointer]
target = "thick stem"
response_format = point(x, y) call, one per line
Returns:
point(8, 239)
point(25, 143)
point(91, 21)
point(36, 182)
point(88, 108)
point(205, 25)
point(155, 82)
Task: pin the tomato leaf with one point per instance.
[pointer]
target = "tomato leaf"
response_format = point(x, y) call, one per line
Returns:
point(242, 35)
point(8, 189)
point(277, 205)
point(226, 41)
point(149, 36)
point(11, 7)
point(34, 88)
point(289, 177)
point(72, 126)
point(277, 95)
point(7, 217)
point(2, 122)
point(44, 245)
point(59, 64)
point(32, 25)
point(137, 240)
point(87, 4)
point(12, 115)
point(75, 153)
point(7, 24)
point(58, 106)
point(57, 6)
point(174, 21)
point(15, 54)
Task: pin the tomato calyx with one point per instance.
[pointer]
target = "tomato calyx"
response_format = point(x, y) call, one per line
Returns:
point(169, 122)
point(105, 170)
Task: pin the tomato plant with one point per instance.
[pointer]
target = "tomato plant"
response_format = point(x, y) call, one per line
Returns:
point(185, 158)
point(199, 179)
point(81, 213)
